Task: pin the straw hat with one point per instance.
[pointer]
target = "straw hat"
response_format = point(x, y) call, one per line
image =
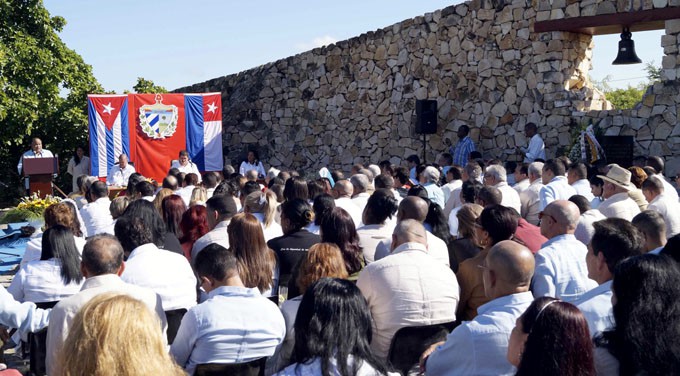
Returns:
point(618, 176)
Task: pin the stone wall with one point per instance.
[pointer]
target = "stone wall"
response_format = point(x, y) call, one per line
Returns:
point(354, 101)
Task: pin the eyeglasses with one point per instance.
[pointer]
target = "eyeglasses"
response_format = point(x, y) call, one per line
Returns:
point(544, 214)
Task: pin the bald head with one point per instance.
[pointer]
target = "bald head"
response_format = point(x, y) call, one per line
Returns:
point(565, 213)
point(343, 188)
point(102, 254)
point(511, 267)
point(412, 207)
point(408, 231)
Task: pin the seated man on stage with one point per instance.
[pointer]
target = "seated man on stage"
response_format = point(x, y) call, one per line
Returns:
point(36, 151)
point(183, 164)
point(120, 173)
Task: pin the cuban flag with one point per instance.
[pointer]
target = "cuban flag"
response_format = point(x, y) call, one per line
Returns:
point(204, 130)
point(109, 131)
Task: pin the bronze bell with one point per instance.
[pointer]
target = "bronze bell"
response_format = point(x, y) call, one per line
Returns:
point(626, 50)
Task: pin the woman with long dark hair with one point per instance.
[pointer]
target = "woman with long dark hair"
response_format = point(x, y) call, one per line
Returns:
point(77, 166)
point(323, 204)
point(551, 338)
point(173, 208)
point(378, 224)
point(56, 275)
point(496, 223)
point(193, 225)
point(333, 332)
point(256, 262)
point(252, 162)
point(296, 187)
point(646, 337)
point(339, 228)
point(147, 212)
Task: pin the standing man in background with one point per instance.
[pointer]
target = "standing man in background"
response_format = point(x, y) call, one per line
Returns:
point(536, 148)
point(463, 148)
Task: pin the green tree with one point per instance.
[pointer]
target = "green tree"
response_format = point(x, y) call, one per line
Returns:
point(147, 86)
point(653, 72)
point(625, 98)
point(44, 88)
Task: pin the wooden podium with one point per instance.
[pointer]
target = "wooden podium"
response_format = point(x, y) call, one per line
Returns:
point(39, 172)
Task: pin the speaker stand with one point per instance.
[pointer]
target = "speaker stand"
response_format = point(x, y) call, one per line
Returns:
point(424, 146)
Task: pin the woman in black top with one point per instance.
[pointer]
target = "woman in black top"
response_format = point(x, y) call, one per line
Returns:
point(292, 247)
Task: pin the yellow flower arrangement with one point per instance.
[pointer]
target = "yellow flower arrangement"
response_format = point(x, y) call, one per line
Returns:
point(30, 208)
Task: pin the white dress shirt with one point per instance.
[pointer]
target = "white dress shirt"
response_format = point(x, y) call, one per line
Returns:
point(34, 248)
point(25, 317)
point(668, 188)
point(30, 154)
point(168, 274)
point(217, 235)
point(351, 208)
point(247, 166)
point(284, 352)
point(480, 346)
point(669, 209)
point(370, 237)
point(436, 248)
point(408, 288)
point(40, 282)
point(453, 221)
point(510, 197)
point(561, 270)
point(582, 187)
point(450, 187)
point(97, 216)
point(119, 176)
point(521, 185)
point(619, 205)
point(65, 311)
point(313, 368)
point(596, 306)
point(584, 229)
point(360, 200)
point(531, 202)
point(535, 150)
point(185, 194)
point(189, 168)
point(235, 325)
point(557, 189)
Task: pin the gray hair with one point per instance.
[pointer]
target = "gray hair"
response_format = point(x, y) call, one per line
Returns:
point(498, 172)
point(431, 174)
point(473, 170)
point(535, 168)
point(375, 169)
point(360, 182)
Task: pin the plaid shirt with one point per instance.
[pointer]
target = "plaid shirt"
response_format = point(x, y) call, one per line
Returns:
point(462, 151)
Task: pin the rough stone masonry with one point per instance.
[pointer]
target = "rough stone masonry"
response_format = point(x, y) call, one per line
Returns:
point(354, 101)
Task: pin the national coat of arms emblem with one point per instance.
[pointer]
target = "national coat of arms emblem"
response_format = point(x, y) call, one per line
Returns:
point(158, 120)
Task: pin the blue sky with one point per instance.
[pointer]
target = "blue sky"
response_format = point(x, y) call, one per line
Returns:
point(176, 43)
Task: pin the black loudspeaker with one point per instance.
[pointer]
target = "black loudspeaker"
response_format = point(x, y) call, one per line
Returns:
point(426, 116)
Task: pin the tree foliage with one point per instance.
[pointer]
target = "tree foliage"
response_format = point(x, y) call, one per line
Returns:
point(625, 98)
point(144, 86)
point(44, 88)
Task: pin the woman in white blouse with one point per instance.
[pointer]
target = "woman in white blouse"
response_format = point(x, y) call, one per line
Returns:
point(55, 276)
point(252, 163)
point(263, 206)
point(78, 165)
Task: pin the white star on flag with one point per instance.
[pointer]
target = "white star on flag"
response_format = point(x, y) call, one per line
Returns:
point(212, 108)
point(108, 108)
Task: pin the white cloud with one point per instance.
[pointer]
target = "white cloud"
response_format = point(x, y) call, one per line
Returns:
point(316, 42)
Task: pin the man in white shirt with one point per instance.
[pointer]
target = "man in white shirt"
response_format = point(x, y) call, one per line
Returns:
point(360, 195)
point(342, 192)
point(653, 230)
point(530, 197)
point(536, 148)
point(235, 324)
point(209, 183)
point(561, 270)
point(614, 240)
point(521, 174)
point(36, 152)
point(658, 165)
point(617, 203)
point(220, 210)
point(183, 164)
point(190, 182)
point(577, 176)
point(96, 215)
point(454, 178)
point(479, 347)
point(408, 288)
point(120, 173)
point(471, 172)
point(168, 274)
point(655, 192)
point(429, 179)
point(495, 176)
point(102, 266)
point(555, 184)
point(415, 208)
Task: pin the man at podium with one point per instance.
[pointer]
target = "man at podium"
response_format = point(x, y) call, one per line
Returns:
point(120, 173)
point(36, 151)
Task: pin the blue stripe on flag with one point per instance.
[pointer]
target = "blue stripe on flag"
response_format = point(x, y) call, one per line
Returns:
point(193, 107)
point(110, 158)
point(94, 151)
point(125, 128)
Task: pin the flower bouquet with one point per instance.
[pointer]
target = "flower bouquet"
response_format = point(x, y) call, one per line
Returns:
point(30, 209)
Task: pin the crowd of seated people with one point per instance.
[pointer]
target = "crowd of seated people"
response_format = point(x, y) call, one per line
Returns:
point(543, 268)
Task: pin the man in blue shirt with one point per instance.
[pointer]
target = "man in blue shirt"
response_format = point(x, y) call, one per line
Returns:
point(235, 325)
point(461, 152)
point(479, 347)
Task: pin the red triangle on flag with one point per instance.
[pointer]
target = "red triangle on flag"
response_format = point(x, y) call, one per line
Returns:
point(108, 107)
